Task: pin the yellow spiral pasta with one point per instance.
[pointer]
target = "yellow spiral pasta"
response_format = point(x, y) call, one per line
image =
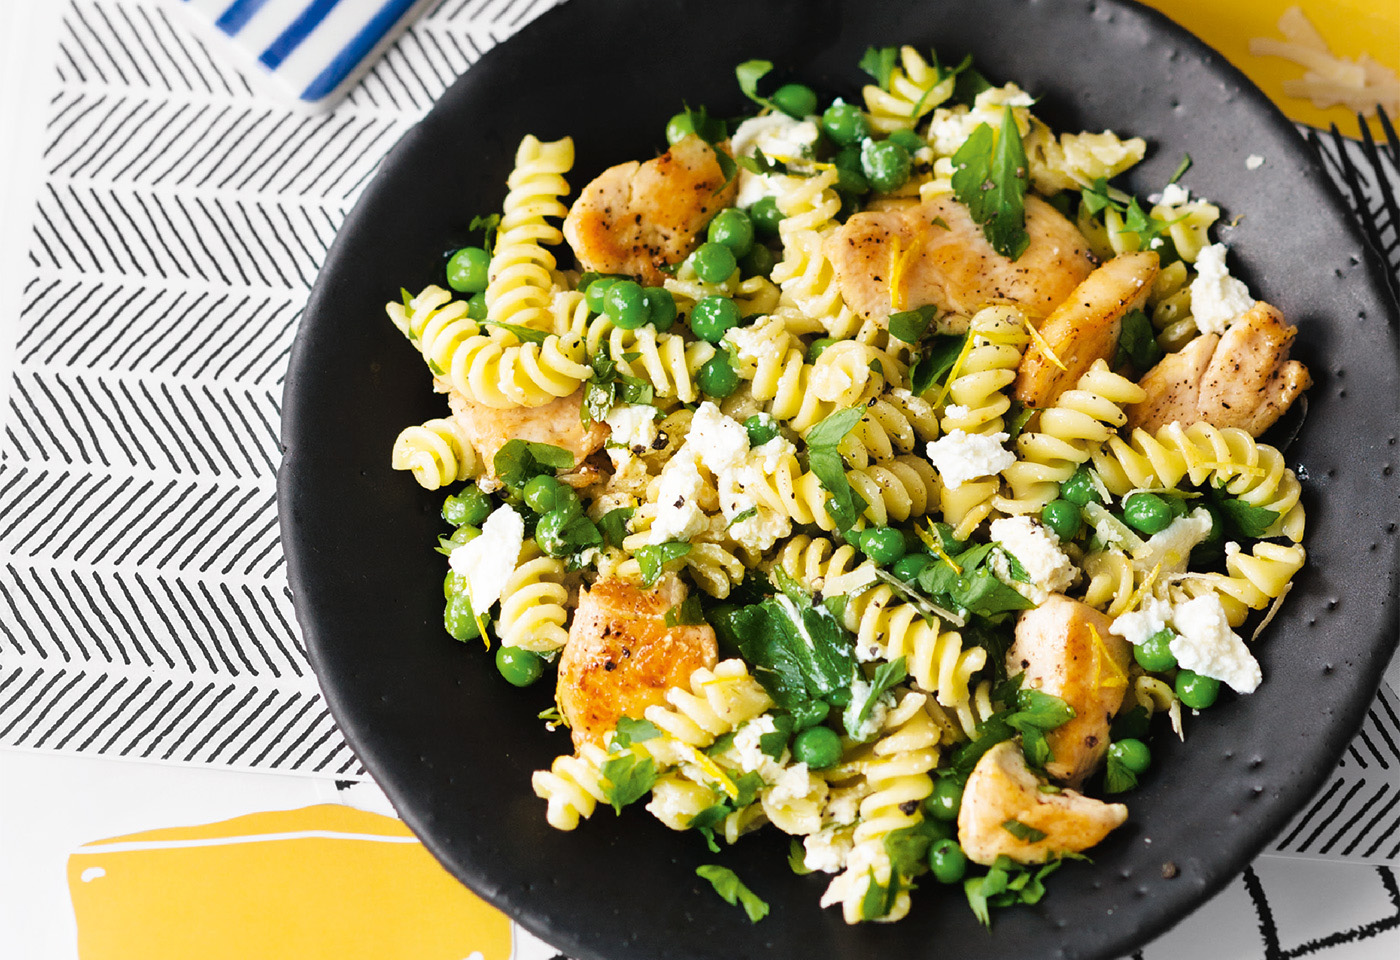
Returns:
point(490, 371)
point(521, 272)
point(1079, 420)
point(533, 604)
point(806, 276)
point(1076, 160)
point(849, 372)
point(916, 87)
point(894, 423)
point(438, 453)
point(1170, 306)
point(1112, 581)
point(716, 703)
point(572, 786)
point(665, 360)
point(755, 295)
point(894, 490)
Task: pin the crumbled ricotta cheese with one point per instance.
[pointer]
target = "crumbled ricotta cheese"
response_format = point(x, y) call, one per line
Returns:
point(753, 345)
point(949, 128)
point(1174, 194)
point(874, 722)
point(843, 803)
point(1139, 625)
point(792, 784)
point(1216, 297)
point(721, 443)
point(678, 515)
point(957, 411)
point(960, 456)
point(1206, 644)
point(487, 562)
point(1038, 551)
point(746, 746)
point(827, 849)
point(633, 427)
point(777, 135)
point(1253, 162)
point(1172, 547)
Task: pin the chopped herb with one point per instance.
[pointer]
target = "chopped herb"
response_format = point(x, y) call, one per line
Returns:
point(489, 224)
point(1023, 832)
point(607, 386)
point(1244, 519)
point(910, 325)
point(743, 515)
point(908, 846)
point(631, 731)
point(970, 83)
point(519, 461)
point(1096, 196)
point(940, 222)
point(970, 585)
point(879, 900)
point(941, 351)
point(1014, 568)
point(407, 298)
point(1181, 168)
point(1148, 228)
point(844, 504)
point(705, 822)
point(886, 676)
point(551, 714)
point(990, 176)
point(1005, 884)
point(800, 653)
point(878, 62)
point(728, 885)
point(797, 858)
point(653, 559)
point(1117, 778)
point(926, 607)
point(613, 525)
point(748, 74)
point(1016, 419)
point(688, 613)
point(761, 163)
point(627, 778)
point(523, 334)
point(773, 744)
point(1137, 343)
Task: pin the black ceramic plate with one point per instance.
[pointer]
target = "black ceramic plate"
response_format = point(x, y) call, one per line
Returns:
point(454, 746)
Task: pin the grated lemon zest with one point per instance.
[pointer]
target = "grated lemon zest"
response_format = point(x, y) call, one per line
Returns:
point(956, 368)
point(1101, 654)
point(1043, 345)
point(711, 768)
point(896, 275)
point(1141, 591)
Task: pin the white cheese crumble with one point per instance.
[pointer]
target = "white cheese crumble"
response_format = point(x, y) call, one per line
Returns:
point(778, 136)
point(487, 562)
point(960, 456)
point(1037, 549)
point(746, 746)
point(874, 722)
point(1216, 297)
point(1174, 194)
point(1206, 644)
point(1253, 162)
point(949, 128)
point(753, 345)
point(827, 849)
point(1172, 547)
point(721, 445)
point(1140, 625)
point(794, 783)
point(633, 427)
point(678, 515)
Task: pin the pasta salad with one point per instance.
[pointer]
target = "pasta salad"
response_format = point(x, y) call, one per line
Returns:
point(873, 470)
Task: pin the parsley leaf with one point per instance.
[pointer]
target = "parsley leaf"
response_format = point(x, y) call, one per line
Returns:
point(523, 334)
point(858, 710)
point(613, 525)
point(844, 505)
point(910, 325)
point(653, 559)
point(743, 515)
point(519, 461)
point(489, 224)
point(627, 779)
point(748, 74)
point(1005, 884)
point(973, 587)
point(1137, 343)
point(878, 901)
point(1148, 228)
point(970, 83)
point(908, 846)
point(990, 176)
point(1096, 196)
point(941, 351)
point(878, 62)
point(1117, 778)
point(800, 653)
point(797, 858)
point(607, 386)
point(688, 613)
point(728, 885)
point(761, 163)
point(1023, 832)
point(631, 731)
point(773, 744)
point(1244, 519)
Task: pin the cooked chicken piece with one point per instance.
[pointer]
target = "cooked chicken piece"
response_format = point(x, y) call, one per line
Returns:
point(558, 423)
point(944, 259)
point(621, 657)
point(1085, 327)
point(1002, 788)
point(1065, 649)
point(635, 217)
point(1241, 379)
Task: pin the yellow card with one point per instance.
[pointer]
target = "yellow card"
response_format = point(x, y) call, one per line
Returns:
point(322, 881)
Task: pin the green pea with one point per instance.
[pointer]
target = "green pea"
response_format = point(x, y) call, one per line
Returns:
point(625, 304)
point(1147, 512)
point(848, 158)
point(713, 317)
point(845, 123)
point(947, 861)
point(661, 307)
point(1080, 488)
point(1196, 691)
point(544, 494)
point(717, 377)
point(476, 307)
point(549, 532)
point(797, 100)
point(758, 262)
point(470, 506)
point(885, 164)
point(732, 228)
point(851, 183)
point(945, 801)
point(818, 747)
point(595, 295)
point(1155, 653)
point(519, 666)
point(809, 713)
point(817, 347)
point(909, 140)
point(458, 619)
point(766, 216)
point(453, 584)
point(1061, 516)
point(466, 533)
point(761, 429)
point(466, 271)
point(909, 566)
point(679, 127)
point(884, 545)
point(1132, 754)
point(713, 262)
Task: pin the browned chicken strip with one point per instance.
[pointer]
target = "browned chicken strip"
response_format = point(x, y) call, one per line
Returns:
point(1085, 328)
point(635, 218)
point(1240, 379)
point(621, 657)
point(945, 260)
point(1002, 788)
point(557, 422)
point(1065, 649)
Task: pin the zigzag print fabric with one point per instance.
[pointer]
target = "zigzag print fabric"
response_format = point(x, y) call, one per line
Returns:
point(144, 609)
